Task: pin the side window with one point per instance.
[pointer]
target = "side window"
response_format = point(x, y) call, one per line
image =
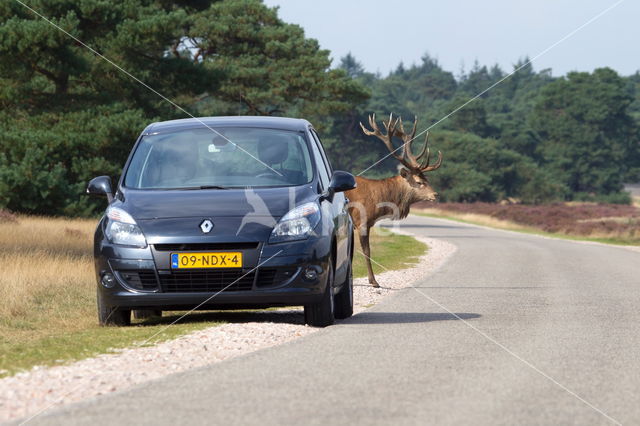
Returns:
point(324, 155)
point(320, 162)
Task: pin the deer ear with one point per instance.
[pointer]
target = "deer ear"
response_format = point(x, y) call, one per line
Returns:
point(404, 173)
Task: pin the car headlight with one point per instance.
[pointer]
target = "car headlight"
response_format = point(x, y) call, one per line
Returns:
point(297, 224)
point(122, 229)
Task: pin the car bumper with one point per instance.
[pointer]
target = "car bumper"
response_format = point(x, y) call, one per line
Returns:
point(273, 275)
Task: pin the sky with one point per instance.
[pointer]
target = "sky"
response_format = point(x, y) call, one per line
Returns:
point(381, 34)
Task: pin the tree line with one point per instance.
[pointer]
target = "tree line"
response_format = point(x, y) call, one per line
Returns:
point(67, 115)
point(532, 137)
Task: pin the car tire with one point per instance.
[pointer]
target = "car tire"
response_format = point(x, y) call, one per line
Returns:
point(343, 301)
point(112, 315)
point(321, 314)
point(146, 313)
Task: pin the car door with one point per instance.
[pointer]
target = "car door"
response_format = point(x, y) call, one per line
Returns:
point(342, 220)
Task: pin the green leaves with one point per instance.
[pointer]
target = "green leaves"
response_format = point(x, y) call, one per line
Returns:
point(270, 68)
point(481, 169)
point(588, 140)
point(47, 159)
point(544, 138)
point(68, 115)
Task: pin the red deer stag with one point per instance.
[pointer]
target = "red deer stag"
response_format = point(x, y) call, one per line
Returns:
point(373, 200)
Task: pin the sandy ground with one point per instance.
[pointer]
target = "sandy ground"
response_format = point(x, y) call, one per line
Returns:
point(29, 393)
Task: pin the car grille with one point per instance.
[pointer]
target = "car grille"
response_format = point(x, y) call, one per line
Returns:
point(205, 246)
point(207, 281)
point(141, 280)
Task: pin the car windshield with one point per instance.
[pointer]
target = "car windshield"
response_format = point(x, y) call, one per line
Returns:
point(232, 158)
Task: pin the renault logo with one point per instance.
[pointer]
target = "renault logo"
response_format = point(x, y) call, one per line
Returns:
point(206, 226)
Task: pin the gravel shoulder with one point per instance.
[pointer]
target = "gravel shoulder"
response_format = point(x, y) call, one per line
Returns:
point(27, 393)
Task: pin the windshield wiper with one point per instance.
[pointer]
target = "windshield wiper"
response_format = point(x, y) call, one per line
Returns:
point(191, 188)
point(212, 187)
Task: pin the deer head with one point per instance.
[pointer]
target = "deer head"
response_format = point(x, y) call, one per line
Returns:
point(414, 166)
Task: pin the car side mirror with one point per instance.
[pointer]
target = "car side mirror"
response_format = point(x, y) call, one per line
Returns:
point(341, 181)
point(100, 186)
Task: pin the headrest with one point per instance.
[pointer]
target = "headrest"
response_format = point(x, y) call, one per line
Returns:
point(273, 149)
point(181, 153)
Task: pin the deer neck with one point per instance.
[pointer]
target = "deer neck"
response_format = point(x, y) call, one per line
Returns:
point(403, 195)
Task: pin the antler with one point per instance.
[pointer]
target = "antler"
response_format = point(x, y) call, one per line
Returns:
point(390, 126)
point(425, 157)
point(394, 127)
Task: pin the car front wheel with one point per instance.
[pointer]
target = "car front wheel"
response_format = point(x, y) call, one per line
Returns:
point(321, 314)
point(344, 299)
point(112, 315)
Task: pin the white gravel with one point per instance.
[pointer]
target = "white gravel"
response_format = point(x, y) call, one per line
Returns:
point(41, 388)
point(364, 296)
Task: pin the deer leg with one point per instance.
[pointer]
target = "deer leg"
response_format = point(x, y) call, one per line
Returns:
point(364, 242)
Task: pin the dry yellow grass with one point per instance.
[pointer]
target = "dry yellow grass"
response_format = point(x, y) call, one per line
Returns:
point(46, 274)
point(27, 281)
point(621, 219)
point(614, 236)
point(55, 235)
point(48, 290)
point(479, 219)
point(48, 297)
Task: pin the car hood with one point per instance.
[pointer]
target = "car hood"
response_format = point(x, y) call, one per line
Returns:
point(236, 215)
point(160, 204)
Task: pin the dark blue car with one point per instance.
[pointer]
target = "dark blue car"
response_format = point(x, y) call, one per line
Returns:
point(225, 213)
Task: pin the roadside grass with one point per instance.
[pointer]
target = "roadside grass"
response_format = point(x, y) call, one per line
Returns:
point(613, 229)
point(58, 346)
point(47, 297)
point(392, 251)
point(47, 293)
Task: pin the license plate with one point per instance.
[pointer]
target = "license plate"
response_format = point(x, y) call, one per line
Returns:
point(206, 260)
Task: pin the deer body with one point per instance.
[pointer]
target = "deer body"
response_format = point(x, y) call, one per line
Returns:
point(373, 200)
point(394, 191)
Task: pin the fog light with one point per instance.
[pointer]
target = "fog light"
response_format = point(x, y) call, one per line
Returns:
point(108, 280)
point(310, 274)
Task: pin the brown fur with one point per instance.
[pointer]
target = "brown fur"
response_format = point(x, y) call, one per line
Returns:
point(373, 200)
point(365, 208)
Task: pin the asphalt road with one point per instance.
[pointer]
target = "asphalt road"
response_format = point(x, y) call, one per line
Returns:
point(545, 332)
point(633, 188)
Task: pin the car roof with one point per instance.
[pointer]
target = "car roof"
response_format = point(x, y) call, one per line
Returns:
point(295, 124)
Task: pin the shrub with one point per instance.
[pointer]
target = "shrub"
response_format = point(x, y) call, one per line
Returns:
point(612, 198)
point(7, 217)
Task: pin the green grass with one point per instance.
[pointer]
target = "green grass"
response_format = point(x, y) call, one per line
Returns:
point(390, 250)
point(47, 308)
point(21, 351)
point(510, 226)
point(48, 298)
